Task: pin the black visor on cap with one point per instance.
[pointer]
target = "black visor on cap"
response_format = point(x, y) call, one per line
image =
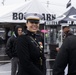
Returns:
point(33, 21)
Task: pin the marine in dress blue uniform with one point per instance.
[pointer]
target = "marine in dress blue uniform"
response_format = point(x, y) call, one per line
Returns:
point(30, 49)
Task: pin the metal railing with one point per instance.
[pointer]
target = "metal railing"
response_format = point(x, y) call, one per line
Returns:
point(50, 70)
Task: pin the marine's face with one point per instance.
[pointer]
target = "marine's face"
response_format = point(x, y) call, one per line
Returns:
point(32, 26)
point(19, 31)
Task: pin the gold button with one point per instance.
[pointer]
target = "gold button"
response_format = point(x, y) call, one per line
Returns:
point(40, 57)
point(40, 61)
point(40, 51)
point(37, 46)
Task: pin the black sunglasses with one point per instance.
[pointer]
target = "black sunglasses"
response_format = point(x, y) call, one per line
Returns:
point(32, 21)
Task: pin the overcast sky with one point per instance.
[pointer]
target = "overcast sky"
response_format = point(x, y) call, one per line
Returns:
point(52, 2)
point(55, 6)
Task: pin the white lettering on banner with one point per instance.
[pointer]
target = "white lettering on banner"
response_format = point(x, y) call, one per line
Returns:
point(74, 22)
point(61, 17)
point(69, 22)
point(51, 22)
point(21, 16)
point(72, 17)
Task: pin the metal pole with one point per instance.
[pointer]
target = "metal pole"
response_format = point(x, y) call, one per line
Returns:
point(61, 38)
point(61, 35)
point(47, 3)
point(3, 2)
point(44, 34)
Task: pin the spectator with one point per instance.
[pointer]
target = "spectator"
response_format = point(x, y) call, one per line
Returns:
point(10, 49)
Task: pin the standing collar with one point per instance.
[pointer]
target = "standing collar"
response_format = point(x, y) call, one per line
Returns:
point(31, 33)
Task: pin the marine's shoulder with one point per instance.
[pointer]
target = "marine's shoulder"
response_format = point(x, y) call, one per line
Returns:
point(38, 35)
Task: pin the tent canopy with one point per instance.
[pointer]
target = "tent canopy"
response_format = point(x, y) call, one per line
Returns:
point(70, 15)
point(18, 15)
